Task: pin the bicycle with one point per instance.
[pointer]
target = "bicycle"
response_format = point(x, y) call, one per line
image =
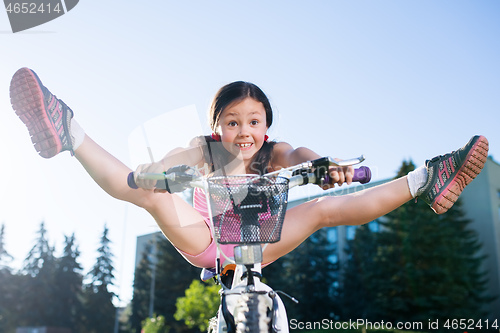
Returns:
point(248, 211)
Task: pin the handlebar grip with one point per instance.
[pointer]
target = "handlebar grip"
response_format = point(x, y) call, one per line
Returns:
point(362, 175)
point(161, 184)
point(177, 181)
point(131, 181)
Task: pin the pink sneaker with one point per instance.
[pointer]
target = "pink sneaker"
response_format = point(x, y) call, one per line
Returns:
point(48, 119)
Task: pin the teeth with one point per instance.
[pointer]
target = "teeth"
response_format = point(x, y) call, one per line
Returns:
point(243, 145)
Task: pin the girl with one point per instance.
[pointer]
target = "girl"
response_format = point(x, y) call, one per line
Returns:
point(240, 116)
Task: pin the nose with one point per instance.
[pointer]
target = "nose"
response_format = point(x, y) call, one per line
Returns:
point(243, 131)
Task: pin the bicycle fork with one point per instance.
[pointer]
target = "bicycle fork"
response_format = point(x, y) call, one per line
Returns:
point(246, 281)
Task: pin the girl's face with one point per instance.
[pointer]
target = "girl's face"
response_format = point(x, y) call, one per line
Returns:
point(242, 127)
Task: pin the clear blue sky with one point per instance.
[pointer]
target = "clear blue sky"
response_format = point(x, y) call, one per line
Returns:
point(393, 80)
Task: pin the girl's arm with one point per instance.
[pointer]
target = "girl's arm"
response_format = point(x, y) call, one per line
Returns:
point(284, 155)
point(191, 155)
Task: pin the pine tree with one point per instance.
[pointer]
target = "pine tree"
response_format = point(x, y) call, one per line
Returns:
point(309, 275)
point(355, 294)
point(8, 289)
point(173, 277)
point(8, 301)
point(38, 284)
point(98, 300)
point(68, 296)
point(40, 254)
point(468, 289)
point(5, 257)
point(424, 266)
point(425, 252)
point(142, 285)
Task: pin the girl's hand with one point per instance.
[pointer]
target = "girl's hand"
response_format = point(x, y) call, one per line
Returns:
point(148, 184)
point(339, 175)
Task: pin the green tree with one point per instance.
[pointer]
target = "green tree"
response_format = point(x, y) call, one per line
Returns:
point(173, 277)
point(423, 266)
point(98, 300)
point(157, 324)
point(354, 294)
point(308, 274)
point(199, 304)
point(40, 255)
point(141, 296)
point(38, 284)
point(432, 262)
point(8, 301)
point(68, 295)
point(5, 257)
point(8, 288)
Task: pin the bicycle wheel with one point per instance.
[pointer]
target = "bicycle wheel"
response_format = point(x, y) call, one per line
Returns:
point(212, 324)
point(253, 314)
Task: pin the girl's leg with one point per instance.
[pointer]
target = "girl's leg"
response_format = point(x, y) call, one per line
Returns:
point(179, 222)
point(444, 178)
point(331, 211)
point(49, 122)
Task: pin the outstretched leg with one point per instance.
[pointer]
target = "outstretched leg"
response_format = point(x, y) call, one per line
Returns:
point(53, 130)
point(444, 178)
point(180, 222)
point(331, 211)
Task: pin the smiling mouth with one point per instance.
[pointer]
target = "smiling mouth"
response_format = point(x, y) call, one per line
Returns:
point(244, 145)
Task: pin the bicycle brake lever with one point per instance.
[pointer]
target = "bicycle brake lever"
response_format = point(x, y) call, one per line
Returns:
point(340, 163)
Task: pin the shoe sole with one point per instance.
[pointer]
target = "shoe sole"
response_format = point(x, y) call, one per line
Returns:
point(28, 102)
point(474, 163)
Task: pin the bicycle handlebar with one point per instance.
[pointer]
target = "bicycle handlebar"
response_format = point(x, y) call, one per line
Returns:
point(178, 178)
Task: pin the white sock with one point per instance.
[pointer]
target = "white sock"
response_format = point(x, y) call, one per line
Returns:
point(77, 134)
point(416, 179)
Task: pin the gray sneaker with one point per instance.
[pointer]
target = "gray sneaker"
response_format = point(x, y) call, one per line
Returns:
point(449, 174)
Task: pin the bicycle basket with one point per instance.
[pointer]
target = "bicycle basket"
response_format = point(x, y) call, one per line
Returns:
point(248, 209)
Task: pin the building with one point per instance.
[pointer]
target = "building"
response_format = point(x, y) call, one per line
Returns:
point(481, 203)
point(141, 246)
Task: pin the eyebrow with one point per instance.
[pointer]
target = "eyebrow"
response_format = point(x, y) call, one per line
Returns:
point(236, 113)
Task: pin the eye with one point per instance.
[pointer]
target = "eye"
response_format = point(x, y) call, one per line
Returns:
point(254, 122)
point(232, 124)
